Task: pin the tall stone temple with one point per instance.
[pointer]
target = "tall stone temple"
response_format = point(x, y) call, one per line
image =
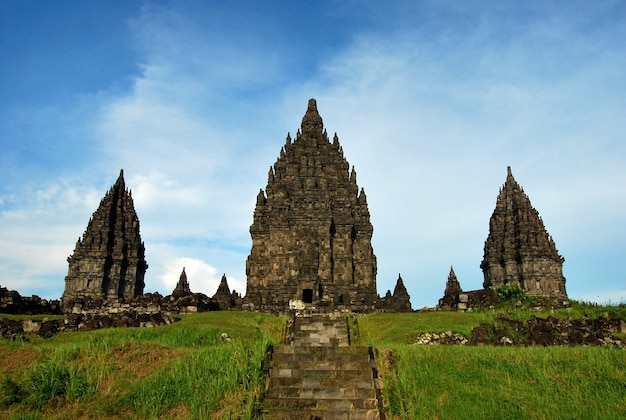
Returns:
point(518, 249)
point(311, 235)
point(109, 260)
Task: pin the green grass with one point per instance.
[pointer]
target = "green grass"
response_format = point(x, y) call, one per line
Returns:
point(453, 382)
point(467, 382)
point(184, 370)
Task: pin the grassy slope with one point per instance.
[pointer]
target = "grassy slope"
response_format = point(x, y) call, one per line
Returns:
point(186, 371)
point(454, 382)
point(183, 370)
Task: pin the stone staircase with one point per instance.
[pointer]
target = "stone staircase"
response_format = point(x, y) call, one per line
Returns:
point(319, 375)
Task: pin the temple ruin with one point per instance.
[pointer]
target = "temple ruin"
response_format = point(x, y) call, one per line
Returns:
point(109, 260)
point(182, 287)
point(311, 234)
point(519, 250)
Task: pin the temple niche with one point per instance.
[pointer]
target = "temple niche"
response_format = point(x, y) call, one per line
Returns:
point(311, 234)
point(109, 260)
point(519, 250)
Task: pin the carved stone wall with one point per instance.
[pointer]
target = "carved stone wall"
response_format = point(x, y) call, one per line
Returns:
point(109, 260)
point(311, 235)
point(518, 249)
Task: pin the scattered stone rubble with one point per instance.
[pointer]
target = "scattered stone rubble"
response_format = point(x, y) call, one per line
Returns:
point(537, 331)
point(15, 330)
point(446, 337)
point(551, 331)
point(12, 303)
point(88, 313)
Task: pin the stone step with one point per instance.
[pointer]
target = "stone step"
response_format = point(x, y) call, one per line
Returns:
point(322, 393)
point(320, 362)
point(319, 375)
point(334, 328)
point(322, 414)
point(322, 383)
point(285, 403)
point(307, 322)
point(345, 374)
point(289, 349)
point(321, 342)
point(292, 368)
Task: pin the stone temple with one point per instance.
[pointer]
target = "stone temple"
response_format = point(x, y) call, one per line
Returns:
point(311, 234)
point(518, 249)
point(109, 260)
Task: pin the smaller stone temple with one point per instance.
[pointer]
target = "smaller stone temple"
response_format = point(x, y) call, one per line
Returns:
point(109, 259)
point(518, 249)
point(453, 287)
point(182, 287)
point(399, 301)
point(223, 297)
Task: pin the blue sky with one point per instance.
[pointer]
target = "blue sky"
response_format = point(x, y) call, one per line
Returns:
point(431, 101)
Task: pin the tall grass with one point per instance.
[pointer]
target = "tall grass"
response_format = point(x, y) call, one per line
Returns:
point(201, 380)
point(467, 382)
point(498, 383)
point(184, 370)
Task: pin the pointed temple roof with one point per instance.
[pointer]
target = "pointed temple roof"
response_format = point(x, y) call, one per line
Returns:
point(401, 300)
point(312, 123)
point(109, 259)
point(311, 232)
point(400, 289)
point(518, 249)
point(222, 296)
point(182, 287)
point(453, 287)
point(516, 229)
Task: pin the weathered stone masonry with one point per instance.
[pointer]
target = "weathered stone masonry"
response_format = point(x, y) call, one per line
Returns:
point(311, 235)
point(109, 260)
point(519, 250)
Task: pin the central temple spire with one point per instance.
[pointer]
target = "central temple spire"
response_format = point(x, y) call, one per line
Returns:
point(312, 123)
point(311, 235)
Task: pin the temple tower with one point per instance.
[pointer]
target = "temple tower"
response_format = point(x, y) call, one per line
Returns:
point(182, 287)
point(311, 235)
point(453, 287)
point(518, 249)
point(109, 260)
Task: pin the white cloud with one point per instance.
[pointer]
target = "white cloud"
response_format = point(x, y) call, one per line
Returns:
point(39, 232)
point(430, 112)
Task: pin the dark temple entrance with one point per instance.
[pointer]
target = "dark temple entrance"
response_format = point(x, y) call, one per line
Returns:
point(307, 295)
